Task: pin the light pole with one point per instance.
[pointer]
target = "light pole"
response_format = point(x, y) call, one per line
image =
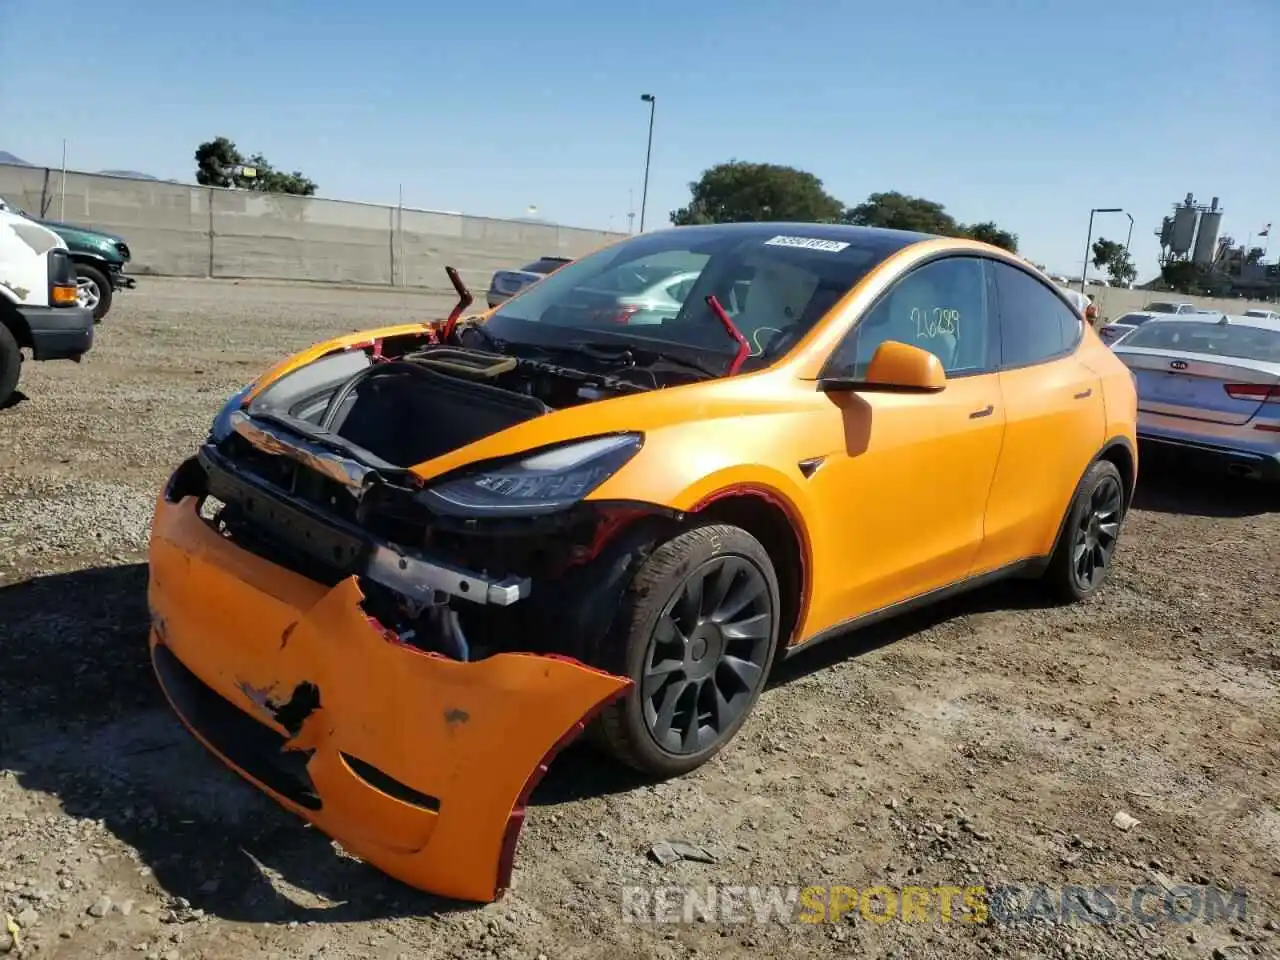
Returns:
point(652, 101)
point(1129, 238)
point(1084, 272)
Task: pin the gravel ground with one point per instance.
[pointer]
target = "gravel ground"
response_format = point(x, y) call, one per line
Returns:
point(986, 742)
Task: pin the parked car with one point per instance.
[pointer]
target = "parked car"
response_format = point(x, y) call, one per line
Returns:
point(39, 310)
point(507, 283)
point(100, 259)
point(407, 565)
point(1170, 306)
point(1210, 387)
point(1114, 330)
point(1262, 314)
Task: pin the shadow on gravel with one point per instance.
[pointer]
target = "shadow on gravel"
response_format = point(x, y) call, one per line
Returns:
point(1171, 484)
point(15, 398)
point(1013, 594)
point(82, 719)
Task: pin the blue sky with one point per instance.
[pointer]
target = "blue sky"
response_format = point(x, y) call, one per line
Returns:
point(1026, 112)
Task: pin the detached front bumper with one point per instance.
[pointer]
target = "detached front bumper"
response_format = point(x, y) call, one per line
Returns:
point(418, 764)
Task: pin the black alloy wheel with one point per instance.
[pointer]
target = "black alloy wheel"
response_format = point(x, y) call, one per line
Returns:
point(1097, 532)
point(696, 633)
point(708, 655)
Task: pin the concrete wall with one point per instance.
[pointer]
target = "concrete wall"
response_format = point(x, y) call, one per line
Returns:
point(1114, 301)
point(192, 231)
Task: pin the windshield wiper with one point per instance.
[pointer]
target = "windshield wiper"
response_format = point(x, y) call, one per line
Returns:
point(631, 355)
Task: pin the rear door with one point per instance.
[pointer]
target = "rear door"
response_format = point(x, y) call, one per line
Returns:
point(1055, 421)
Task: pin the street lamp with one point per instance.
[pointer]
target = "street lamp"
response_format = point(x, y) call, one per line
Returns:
point(1084, 273)
point(652, 101)
point(1130, 236)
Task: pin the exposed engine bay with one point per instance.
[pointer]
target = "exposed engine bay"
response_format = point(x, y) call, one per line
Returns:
point(312, 475)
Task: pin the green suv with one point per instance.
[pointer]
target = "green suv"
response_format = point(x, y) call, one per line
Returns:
point(99, 260)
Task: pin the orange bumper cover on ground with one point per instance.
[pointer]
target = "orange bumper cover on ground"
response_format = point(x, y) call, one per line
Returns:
point(418, 764)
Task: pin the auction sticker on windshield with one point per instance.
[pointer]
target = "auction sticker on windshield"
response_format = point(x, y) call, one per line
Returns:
point(807, 243)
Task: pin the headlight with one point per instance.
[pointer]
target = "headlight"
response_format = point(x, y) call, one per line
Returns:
point(545, 482)
point(222, 422)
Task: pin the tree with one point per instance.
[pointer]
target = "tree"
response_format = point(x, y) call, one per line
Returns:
point(988, 232)
point(1114, 258)
point(1181, 276)
point(738, 191)
point(899, 211)
point(220, 164)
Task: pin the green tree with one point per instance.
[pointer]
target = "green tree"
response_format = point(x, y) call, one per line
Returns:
point(1181, 276)
point(220, 164)
point(737, 191)
point(1114, 258)
point(900, 211)
point(988, 232)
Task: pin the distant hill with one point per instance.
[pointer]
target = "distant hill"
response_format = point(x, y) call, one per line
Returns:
point(6, 157)
point(129, 174)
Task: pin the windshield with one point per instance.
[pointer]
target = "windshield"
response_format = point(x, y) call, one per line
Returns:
point(1238, 341)
point(1160, 306)
point(651, 290)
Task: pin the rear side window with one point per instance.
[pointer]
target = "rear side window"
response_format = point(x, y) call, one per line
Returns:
point(1035, 325)
point(1133, 319)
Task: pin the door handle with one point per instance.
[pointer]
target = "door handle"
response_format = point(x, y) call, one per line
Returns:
point(1084, 394)
point(984, 412)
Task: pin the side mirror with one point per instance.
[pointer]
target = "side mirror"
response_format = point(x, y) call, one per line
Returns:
point(894, 367)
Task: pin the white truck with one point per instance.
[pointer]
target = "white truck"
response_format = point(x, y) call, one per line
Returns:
point(40, 310)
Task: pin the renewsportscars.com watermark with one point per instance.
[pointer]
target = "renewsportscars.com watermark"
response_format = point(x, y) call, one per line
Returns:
point(1006, 903)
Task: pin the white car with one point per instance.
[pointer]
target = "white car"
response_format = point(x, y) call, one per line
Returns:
point(1262, 314)
point(40, 310)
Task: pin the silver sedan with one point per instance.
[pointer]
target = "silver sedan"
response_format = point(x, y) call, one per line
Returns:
point(1210, 385)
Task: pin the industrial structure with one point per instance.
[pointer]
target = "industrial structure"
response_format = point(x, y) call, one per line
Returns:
point(1191, 235)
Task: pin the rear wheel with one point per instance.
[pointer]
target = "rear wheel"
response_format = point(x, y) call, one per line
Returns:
point(93, 290)
point(10, 364)
point(696, 635)
point(1087, 546)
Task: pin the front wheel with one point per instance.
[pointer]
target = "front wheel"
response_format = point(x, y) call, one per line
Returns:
point(93, 290)
point(696, 635)
point(1087, 546)
point(10, 364)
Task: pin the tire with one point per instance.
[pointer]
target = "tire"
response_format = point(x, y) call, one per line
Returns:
point(1093, 524)
point(721, 675)
point(10, 364)
point(97, 281)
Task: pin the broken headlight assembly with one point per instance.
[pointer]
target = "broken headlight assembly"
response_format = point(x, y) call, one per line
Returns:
point(221, 427)
point(543, 482)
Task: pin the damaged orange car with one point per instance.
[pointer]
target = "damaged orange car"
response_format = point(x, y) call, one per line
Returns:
point(407, 566)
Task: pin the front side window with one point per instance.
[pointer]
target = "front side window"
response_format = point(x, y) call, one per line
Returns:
point(774, 286)
point(941, 307)
point(1035, 324)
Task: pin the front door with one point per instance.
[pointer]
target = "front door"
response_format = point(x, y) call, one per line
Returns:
point(907, 495)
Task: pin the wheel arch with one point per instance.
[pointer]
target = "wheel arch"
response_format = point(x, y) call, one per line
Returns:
point(775, 521)
point(1120, 453)
point(12, 318)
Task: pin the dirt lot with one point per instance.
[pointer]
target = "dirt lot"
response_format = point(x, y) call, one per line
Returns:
point(989, 742)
